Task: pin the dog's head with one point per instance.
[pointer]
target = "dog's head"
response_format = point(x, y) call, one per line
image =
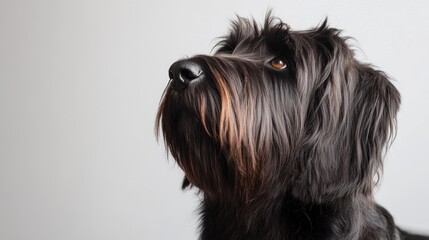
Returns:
point(277, 111)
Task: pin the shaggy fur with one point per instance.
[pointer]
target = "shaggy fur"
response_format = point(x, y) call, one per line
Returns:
point(282, 153)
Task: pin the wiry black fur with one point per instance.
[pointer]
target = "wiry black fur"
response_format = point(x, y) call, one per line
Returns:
point(284, 154)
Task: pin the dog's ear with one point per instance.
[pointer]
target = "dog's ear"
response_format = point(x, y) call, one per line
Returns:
point(349, 116)
point(349, 119)
point(373, 124)
point(349, 128)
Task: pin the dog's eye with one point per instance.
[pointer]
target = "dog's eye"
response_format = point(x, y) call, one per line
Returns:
point(278, 63)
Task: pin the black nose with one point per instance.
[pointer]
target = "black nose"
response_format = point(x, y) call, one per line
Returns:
point(183, 72)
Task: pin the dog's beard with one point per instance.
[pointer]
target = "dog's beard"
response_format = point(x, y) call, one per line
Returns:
point(225, 130)
point(185, 129)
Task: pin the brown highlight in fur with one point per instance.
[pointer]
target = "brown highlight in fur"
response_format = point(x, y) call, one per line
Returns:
point(282, 153)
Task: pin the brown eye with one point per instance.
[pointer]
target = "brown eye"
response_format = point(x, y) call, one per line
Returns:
point(278, 63)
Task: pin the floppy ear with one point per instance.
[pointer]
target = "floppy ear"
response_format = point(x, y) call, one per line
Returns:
point(376, 103)
point(350, 118)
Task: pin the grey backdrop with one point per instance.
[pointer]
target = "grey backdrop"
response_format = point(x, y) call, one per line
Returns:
point(80, 83)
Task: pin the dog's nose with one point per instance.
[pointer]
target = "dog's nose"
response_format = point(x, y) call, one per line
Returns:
point(183, 72)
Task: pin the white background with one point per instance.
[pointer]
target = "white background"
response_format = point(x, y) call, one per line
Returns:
point(80, 82)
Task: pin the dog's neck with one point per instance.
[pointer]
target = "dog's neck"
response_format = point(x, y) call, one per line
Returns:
point(289, 218)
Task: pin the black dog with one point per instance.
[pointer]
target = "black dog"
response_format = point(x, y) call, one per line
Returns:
point(283, 132)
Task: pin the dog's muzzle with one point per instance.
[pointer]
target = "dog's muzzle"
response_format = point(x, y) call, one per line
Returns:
point(183, 72)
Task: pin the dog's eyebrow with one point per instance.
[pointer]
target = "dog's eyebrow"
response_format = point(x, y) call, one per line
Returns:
point(277, 37)
point(241, 30)
point(279, 31)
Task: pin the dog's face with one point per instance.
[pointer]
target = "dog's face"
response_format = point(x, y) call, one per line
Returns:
point(276, 111)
